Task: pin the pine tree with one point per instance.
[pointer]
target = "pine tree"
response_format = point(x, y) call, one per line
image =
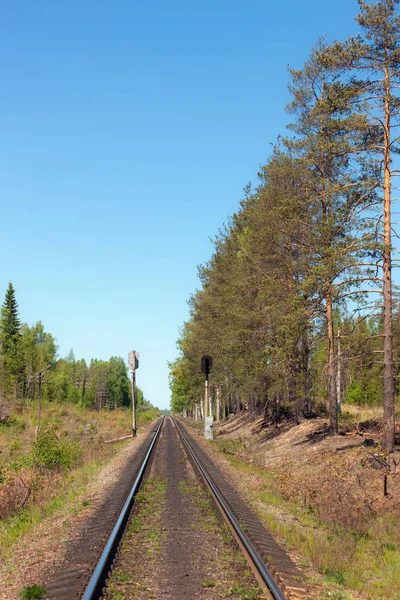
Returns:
point(10, 338)
point(327, 130)
point(373, 63)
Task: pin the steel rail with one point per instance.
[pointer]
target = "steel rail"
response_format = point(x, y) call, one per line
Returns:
point(262, 569)
point(94, 589)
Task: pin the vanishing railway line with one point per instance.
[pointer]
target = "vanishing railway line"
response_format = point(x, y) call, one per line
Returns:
point(170, 446)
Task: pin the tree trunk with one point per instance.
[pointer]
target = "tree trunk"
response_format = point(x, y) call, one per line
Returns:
point(388, 384)
point(218, 404)
point(333, 413)
point(307, 375)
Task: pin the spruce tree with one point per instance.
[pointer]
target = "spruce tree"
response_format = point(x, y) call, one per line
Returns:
point(10, 337)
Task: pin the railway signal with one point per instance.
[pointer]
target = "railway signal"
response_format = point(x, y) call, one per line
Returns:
point(133, 362)
point(206, 366)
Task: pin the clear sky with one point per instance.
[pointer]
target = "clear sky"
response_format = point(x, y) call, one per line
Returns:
point(128, 131)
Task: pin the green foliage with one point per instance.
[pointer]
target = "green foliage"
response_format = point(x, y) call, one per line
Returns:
point(10, 324)
point(333, 576)
point(52, 453)
point(118, 382)
point(149, 414)
point(15, 422)
point(306, 249)
point(368, 391)
point(89, 399)
point(39, 348)
point(10, 343)
point(179, 379)
point(33, 592)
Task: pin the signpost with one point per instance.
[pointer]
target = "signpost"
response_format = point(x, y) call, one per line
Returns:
point(206, 366)
point(133, 362)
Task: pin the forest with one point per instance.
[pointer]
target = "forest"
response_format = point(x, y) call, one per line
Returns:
point(30, 368)
point(298, 304)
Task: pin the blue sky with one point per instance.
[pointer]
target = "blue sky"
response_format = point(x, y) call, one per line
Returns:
point(128, 131)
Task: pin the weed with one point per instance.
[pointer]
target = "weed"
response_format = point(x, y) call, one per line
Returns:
point(15, 422)
point(391, 547)
point(245, 593)
point(15, 446)
point(333, 576)
point(116, 595)
point(33, 592)
point(120, 576)
point(207, 583)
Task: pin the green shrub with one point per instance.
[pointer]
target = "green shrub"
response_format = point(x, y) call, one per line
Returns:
point(51, 453)
point(149, 415)
point(15, 446)
point(16, 422)
point(33, 592)
point(364, 392)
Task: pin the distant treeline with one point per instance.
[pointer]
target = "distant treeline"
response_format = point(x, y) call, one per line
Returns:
point(296, 305)
point(29, 365)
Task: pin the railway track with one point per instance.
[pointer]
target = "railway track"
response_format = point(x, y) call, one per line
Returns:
point(272, 566)
point(86, 553)
point(280, 580)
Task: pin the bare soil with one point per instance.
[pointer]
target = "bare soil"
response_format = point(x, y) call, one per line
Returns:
point(342, 477)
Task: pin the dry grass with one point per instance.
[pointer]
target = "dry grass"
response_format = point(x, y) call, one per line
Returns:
point(360, 414)
point(325, 502)
point(21, 481)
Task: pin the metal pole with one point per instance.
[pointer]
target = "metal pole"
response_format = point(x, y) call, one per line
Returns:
point(133, 403)
point(83, 391)
point(39, 399)
point(206, 399)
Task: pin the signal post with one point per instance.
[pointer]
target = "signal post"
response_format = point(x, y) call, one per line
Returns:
point(206, 365)
point(133, 362)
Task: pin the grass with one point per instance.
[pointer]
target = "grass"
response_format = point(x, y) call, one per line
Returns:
point(144, 528)
point(13, 528)
point(53, 493)
point(33, 592)
point(208, 583)
point(230, 559)
point(367, 562)
point(88, 427)
point(243, 593)
point(352, 414)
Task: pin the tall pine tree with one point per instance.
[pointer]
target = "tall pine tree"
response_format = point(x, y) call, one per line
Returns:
point(10, 340)
point(373, 64)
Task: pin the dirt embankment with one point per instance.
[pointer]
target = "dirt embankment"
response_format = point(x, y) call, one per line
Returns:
point(344, 479)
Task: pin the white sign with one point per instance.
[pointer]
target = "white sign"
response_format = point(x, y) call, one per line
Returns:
point(133, 360)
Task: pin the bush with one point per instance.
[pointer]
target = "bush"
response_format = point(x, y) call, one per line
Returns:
point(33, 592)
point(16, 422)
point(149, 415)
point(51, 453)
point(366, 392)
